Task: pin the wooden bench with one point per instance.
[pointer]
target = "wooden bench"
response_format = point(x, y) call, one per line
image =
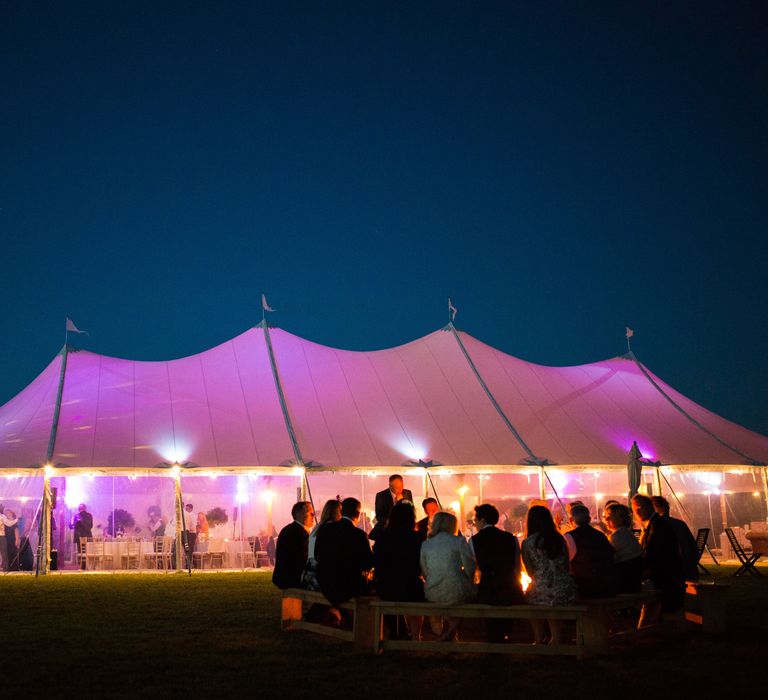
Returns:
point(292, 618)
point(705, 605)
point(601, 617)
point(575, 613)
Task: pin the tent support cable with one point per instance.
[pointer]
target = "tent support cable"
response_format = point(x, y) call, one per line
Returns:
point(284, 408)
point(533, 458)
point(631, 355)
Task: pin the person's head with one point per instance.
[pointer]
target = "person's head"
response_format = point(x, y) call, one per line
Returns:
point(610, 502)
point(189, 507)
point(201, 517)
point(331, 511)
point(396, 484)
point(642, 507)
point(660, 505)
point(11, 514)
point(580, 515)
point(443, 522)
point(617, 516)
point(402, 517)
point(569, 506)
point(486, 514)
point(303, 513)
point(350, 508)
point(430, 507)
point(81, 508)
point(539, 524)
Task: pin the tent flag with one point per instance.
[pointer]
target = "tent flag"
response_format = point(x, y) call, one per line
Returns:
point(452, 310)
point(72, 328)
point(264, 305)
point(634, 470)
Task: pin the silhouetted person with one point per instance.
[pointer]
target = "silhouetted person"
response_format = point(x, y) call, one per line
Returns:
point(386, 499)
point(686, 542)
point(591, 556)
point(291, 549)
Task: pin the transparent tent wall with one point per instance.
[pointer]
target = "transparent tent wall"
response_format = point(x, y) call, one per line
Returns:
point(135, 504)
point(21, 498)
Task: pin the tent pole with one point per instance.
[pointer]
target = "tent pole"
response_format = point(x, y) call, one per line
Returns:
point(179, 522)
point(764, 475)
point(658, 481)
point(542, 484)
point(45, 545)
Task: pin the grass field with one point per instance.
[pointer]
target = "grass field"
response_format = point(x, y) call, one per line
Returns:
point(218, 635)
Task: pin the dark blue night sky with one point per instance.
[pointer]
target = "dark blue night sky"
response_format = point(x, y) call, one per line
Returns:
point(560, 169)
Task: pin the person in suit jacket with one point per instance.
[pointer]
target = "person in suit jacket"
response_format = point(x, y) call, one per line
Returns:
point(686, 542)
point(591, 556)
point(291, 549)
point(386, 499)
point(662, 564)
point(82, 525)
point(498, 558)
point(343, 555)
point(430, 507)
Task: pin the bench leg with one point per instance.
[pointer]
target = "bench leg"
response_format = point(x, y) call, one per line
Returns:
point(291, 611)
point(712, 612)
point(377, 617)
point(595, 631)
point(363, 630)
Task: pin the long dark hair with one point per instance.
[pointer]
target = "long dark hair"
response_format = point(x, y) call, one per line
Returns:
point(539, 522)
point(402, 517)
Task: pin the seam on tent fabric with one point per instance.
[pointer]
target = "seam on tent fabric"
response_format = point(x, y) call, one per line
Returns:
point(566, 412)
point(245, 402)
point(577, 395)
point(52, 381)
point(57, 408)
point(389, 401)
point(493, 401)
point(606, 424)
point(429, 410)
point(319, 404)
point(96, 412)
point(687, 415)
point(357, 408)
point(281, 397)
point(461, 405)
point(496, 354)
point(653, 415)
point(210, 415)
point(170, 403)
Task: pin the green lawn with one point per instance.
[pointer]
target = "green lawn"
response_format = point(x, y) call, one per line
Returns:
point(219, 635)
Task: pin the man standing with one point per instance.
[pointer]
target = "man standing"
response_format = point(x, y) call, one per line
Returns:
point(662, 565)
point(343, 555)
point(386, 499)
point(82, 525)
point(430, 507)
point(498, 559)
point(686, 543)
point(190, 532)
point(291, 549)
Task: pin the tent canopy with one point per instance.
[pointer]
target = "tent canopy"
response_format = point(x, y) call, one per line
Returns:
point(222, 408)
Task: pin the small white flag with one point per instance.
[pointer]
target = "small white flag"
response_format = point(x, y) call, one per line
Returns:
point(72, 328)
point(452, 310)
point(264, 305)
point(630, 332)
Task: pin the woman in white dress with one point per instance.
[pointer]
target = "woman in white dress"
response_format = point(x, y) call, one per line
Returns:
point(448, 568)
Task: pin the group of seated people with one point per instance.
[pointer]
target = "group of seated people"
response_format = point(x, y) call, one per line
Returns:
point(431, 560)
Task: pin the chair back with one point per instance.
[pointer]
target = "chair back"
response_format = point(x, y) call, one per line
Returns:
point(159, 544)
point(133, 547)
point(735, 544)
point(701, 540)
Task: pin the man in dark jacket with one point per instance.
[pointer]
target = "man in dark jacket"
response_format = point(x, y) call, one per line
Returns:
point(661, 559)
point(430, 507)
point(498, 559)
point(82, 524)
point(386, 499)
point(291, 550)
point(686, 543)
point(592, 556)
point(343, 556)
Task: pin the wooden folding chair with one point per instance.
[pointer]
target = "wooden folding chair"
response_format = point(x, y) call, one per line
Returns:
point(747, 560)
point(701, 544)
